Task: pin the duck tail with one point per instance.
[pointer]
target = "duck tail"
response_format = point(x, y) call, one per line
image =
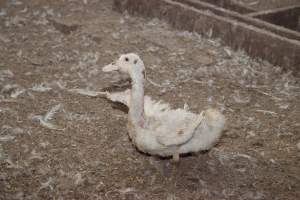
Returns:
point(215, 119)
point(211, 128)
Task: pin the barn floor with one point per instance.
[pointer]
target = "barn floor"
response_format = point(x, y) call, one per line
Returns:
point(83, 151)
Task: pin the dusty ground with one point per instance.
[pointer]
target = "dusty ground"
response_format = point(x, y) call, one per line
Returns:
point(48, 47)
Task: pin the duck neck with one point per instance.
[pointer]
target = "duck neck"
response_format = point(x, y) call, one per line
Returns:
point(136, 106)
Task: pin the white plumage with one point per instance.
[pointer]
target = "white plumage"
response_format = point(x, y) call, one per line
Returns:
point(153, 126)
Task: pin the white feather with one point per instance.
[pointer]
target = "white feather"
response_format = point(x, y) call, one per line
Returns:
point(40, 88)
point(44, 120)
point(17, 93)
point(7, 138)
point(49, 115)
point(87, 92)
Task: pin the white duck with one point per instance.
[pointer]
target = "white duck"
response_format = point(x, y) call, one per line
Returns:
point(153, 126)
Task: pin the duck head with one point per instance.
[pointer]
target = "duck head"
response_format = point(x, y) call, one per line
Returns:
point(129, 63)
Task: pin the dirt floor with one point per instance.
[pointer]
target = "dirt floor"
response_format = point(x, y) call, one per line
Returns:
point(80, 149)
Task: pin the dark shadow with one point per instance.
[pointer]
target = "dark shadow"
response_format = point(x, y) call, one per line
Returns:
point(119, 106)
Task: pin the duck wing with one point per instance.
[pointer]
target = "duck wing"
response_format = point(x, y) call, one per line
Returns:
point(182, 132)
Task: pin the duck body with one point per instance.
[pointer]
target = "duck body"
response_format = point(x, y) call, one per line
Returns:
point(157, 129)
point(194, 131)
point(161, 119)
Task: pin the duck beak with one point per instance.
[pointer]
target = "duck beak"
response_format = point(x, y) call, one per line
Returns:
point(111, 67)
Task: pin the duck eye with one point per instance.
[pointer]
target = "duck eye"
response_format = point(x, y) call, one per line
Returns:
point(126, 59)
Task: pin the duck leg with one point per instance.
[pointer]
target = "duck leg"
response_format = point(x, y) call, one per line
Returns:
point(176, 157)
